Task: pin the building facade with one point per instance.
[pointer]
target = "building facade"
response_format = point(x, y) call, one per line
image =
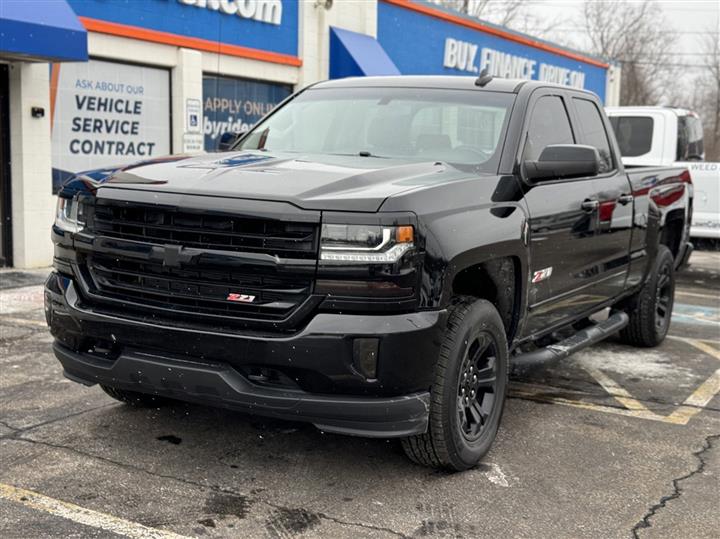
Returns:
point(170, 76)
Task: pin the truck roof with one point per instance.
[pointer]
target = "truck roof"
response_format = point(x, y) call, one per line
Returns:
point(496, 84)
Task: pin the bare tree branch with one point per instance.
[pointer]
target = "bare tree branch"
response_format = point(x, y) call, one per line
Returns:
point(707, 95)
point(633, 34)
point(502, 12)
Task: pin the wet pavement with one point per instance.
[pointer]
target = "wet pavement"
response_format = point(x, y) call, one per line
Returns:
point(613, 442)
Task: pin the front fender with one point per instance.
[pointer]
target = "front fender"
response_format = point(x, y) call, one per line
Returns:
point(463, 223)
point(469, 237)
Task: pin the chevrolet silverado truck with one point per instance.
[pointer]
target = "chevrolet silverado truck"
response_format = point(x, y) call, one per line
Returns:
point(369, 258)
point(669, 136)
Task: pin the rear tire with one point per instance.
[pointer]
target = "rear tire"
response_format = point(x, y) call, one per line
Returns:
point(133, 398)
point(468, 394)
point(650, 309)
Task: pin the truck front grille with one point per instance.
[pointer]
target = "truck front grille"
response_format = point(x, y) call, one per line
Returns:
point(218, 285)
point(196, 292)
point(166, 225)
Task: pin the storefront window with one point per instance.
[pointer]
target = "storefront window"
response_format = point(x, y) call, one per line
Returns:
point(235, 105)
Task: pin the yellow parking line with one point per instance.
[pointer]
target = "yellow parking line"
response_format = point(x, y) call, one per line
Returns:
point(701, 344)
point(632, 407)
point(618, 392)
point(81, 515)
point(540, 397)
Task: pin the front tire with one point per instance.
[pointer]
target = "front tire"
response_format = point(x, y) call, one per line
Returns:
point(651, 308)
point(468, 394)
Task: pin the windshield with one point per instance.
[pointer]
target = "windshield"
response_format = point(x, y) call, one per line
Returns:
point(462, 127)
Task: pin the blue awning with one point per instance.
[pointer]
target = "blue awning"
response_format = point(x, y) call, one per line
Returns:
point(41, 31)
point(353, 54)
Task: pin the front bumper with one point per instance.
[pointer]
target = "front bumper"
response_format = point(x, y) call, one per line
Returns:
point(211, 367)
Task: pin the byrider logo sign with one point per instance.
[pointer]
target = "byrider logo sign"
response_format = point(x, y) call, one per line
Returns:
point(463, 56)
point(267, 11)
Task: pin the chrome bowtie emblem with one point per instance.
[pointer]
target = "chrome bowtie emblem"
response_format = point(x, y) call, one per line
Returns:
point(171, 256)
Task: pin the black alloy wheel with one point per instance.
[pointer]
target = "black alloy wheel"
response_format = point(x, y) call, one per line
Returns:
point(477, 386)
point(665, 290)
point(650, 309)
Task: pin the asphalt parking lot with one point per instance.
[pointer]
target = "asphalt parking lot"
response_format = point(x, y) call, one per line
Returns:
point(613, 442)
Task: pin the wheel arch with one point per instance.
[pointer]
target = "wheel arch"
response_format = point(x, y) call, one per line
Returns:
point(498, 280)
point(673, 230)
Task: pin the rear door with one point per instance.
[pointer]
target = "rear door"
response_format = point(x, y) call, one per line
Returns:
point(566, 251)
point(614, 225)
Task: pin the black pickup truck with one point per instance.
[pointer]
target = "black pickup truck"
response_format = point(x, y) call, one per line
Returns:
point(369, 258)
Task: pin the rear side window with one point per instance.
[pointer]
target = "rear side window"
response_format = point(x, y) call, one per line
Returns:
point(592, 131)
point(549, 124)
point(634, 134)
point(690, 139)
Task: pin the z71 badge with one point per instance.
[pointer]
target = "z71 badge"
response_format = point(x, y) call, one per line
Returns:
point(242, 298)
point(542, 275)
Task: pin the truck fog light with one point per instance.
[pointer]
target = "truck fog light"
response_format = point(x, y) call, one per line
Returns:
point(365, 356)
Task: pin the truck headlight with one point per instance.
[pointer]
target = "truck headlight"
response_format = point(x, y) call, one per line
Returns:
point(69, 216)
point(367, 244)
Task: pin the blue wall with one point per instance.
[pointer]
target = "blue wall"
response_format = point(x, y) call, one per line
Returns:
point(416, 43)
point(191, 21)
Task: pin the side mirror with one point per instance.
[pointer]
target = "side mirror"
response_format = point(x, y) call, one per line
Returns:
point(226, 141)
point(563, 161)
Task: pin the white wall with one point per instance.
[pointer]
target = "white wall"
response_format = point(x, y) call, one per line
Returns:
point(315, 21)
point(186, 83)
point(612, 86)
point(186, 67)
point(33, 204)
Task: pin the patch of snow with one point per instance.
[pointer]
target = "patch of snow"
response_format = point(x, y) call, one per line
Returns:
point(650, 364)
point(496, 476)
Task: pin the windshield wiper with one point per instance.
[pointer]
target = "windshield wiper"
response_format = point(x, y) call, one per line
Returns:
point(365, 153)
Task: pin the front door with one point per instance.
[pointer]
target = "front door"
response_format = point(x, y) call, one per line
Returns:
point(566, 250)
point(5, 208)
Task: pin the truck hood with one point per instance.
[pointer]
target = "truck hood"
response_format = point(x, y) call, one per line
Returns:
point(326, 182)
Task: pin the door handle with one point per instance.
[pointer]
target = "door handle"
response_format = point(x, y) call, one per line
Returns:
point(590, 205)
point(625, 199)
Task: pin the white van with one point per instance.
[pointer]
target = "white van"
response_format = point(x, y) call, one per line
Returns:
point(665, 136)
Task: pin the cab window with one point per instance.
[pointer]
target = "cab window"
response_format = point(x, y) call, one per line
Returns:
point(549, 124)
point(592, 132)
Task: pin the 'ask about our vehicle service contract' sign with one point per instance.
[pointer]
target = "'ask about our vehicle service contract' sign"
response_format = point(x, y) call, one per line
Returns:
point(108, 114)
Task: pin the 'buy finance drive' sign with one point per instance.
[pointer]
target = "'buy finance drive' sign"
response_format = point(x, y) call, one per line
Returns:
point(108, 114)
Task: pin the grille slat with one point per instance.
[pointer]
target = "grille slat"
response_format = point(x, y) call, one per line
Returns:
point(210, 292)
point(200, 290)
point(158, 286)
point(167, 225)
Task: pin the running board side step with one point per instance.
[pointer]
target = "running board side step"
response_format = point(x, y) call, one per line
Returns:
point(582, 339)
